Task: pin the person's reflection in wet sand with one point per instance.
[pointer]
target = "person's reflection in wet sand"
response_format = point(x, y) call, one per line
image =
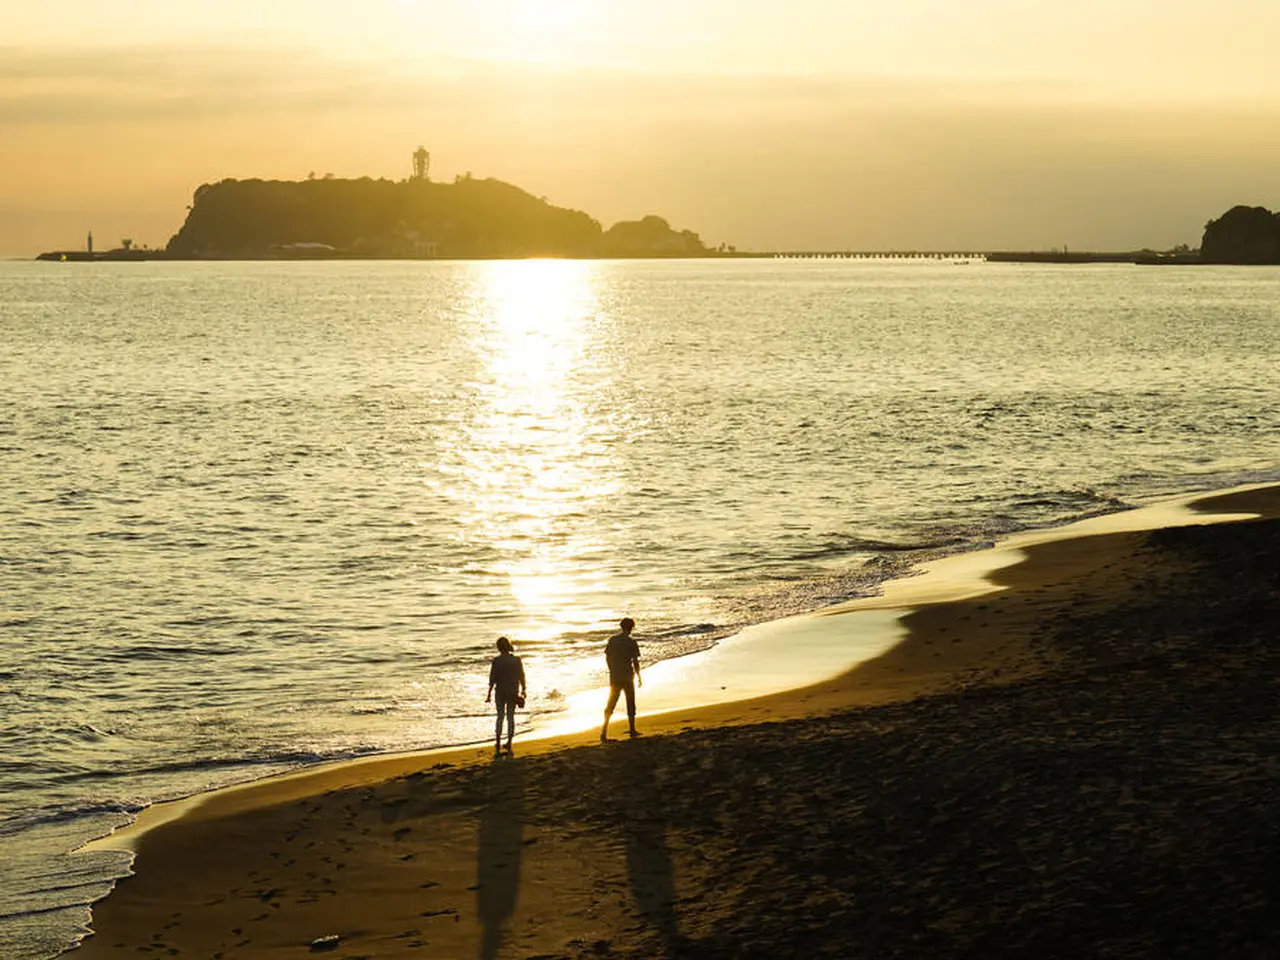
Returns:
point(501, 844)
point(637, 806)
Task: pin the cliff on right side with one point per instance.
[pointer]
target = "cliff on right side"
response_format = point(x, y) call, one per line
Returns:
point(1242, 235)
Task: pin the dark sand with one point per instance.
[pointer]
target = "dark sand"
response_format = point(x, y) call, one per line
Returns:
point(1084, 765)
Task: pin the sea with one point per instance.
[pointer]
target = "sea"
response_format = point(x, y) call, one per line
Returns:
point(257, 516)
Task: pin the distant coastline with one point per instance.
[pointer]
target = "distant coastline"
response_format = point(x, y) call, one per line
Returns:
point(413, 219)
point(1000, 256)
point(488, 219)
point(1139, 257)
point(120, 255)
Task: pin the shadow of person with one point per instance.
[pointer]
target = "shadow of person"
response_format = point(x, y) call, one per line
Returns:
point(500, 846)
point(637, 806)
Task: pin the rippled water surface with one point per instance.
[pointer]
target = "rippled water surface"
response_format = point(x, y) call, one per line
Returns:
point(256, 515)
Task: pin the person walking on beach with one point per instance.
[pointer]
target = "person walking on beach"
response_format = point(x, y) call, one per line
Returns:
point(622, 654)
point(506, 676)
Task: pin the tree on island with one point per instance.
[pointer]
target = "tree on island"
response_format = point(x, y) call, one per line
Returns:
point(1246, 235)
point(470, 217)
point(649, 237)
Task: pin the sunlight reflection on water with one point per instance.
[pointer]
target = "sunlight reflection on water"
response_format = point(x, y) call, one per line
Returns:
point(258, 515)
point(526, 467)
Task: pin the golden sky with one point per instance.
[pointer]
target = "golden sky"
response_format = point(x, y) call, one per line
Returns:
point(840, 124)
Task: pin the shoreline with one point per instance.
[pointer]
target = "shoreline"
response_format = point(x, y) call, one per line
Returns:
point(1137, 258)
point(952, 578)
point(974, 657)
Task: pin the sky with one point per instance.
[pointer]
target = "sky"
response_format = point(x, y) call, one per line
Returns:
point(810, 124)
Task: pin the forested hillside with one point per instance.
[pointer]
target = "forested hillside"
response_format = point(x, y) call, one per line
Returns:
point(411, 218)
point(1242, 235)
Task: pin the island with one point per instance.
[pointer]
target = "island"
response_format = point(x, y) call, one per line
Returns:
point(416, 218)
point(473, 218)
point(1243, 235)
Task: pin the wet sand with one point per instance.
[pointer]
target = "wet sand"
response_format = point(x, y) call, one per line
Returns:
point(1086, 764)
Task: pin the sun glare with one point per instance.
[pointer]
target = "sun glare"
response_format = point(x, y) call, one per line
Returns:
point(548, 31)
point(551, 32)
point(529, 464)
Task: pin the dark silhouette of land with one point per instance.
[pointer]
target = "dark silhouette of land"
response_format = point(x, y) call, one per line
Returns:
point(1086, 256)
point(418, 218)
point(1242, 235)
point(473, 218)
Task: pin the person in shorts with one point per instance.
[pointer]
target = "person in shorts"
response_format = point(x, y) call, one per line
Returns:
point(506, 677)
point(622, 655)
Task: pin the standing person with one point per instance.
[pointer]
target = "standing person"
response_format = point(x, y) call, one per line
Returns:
point(622, 654)
point(506, 675)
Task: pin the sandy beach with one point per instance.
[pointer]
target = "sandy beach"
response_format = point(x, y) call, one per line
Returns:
point(1081, 765)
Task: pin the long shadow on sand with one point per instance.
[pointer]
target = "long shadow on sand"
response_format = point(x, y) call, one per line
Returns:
point(636, 809)
point(500, 846)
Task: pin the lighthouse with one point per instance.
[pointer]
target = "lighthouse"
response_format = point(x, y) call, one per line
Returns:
point(421, 164)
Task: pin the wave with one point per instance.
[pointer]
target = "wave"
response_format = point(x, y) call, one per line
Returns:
point(31, 912)
point(1007, 516)
point(1070, 498)
point(842, 544)
point(65, 815)
point(160, 652)
point(285, 760)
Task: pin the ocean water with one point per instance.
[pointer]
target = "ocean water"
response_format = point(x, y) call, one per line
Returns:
point(259, 515)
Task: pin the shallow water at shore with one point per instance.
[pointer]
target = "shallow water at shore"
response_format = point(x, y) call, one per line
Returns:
point(263, 515)
point(1134, 648)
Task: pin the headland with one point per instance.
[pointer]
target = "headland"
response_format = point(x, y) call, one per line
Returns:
point(473, 218)
point(418, 218)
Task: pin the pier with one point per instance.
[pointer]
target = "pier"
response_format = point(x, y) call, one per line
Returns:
point(871, 255)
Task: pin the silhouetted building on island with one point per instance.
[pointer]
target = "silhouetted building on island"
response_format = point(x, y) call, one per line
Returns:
point(421, 164)
point(414, 218)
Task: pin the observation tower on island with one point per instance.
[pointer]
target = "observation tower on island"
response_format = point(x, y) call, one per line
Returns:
point(421, 164)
